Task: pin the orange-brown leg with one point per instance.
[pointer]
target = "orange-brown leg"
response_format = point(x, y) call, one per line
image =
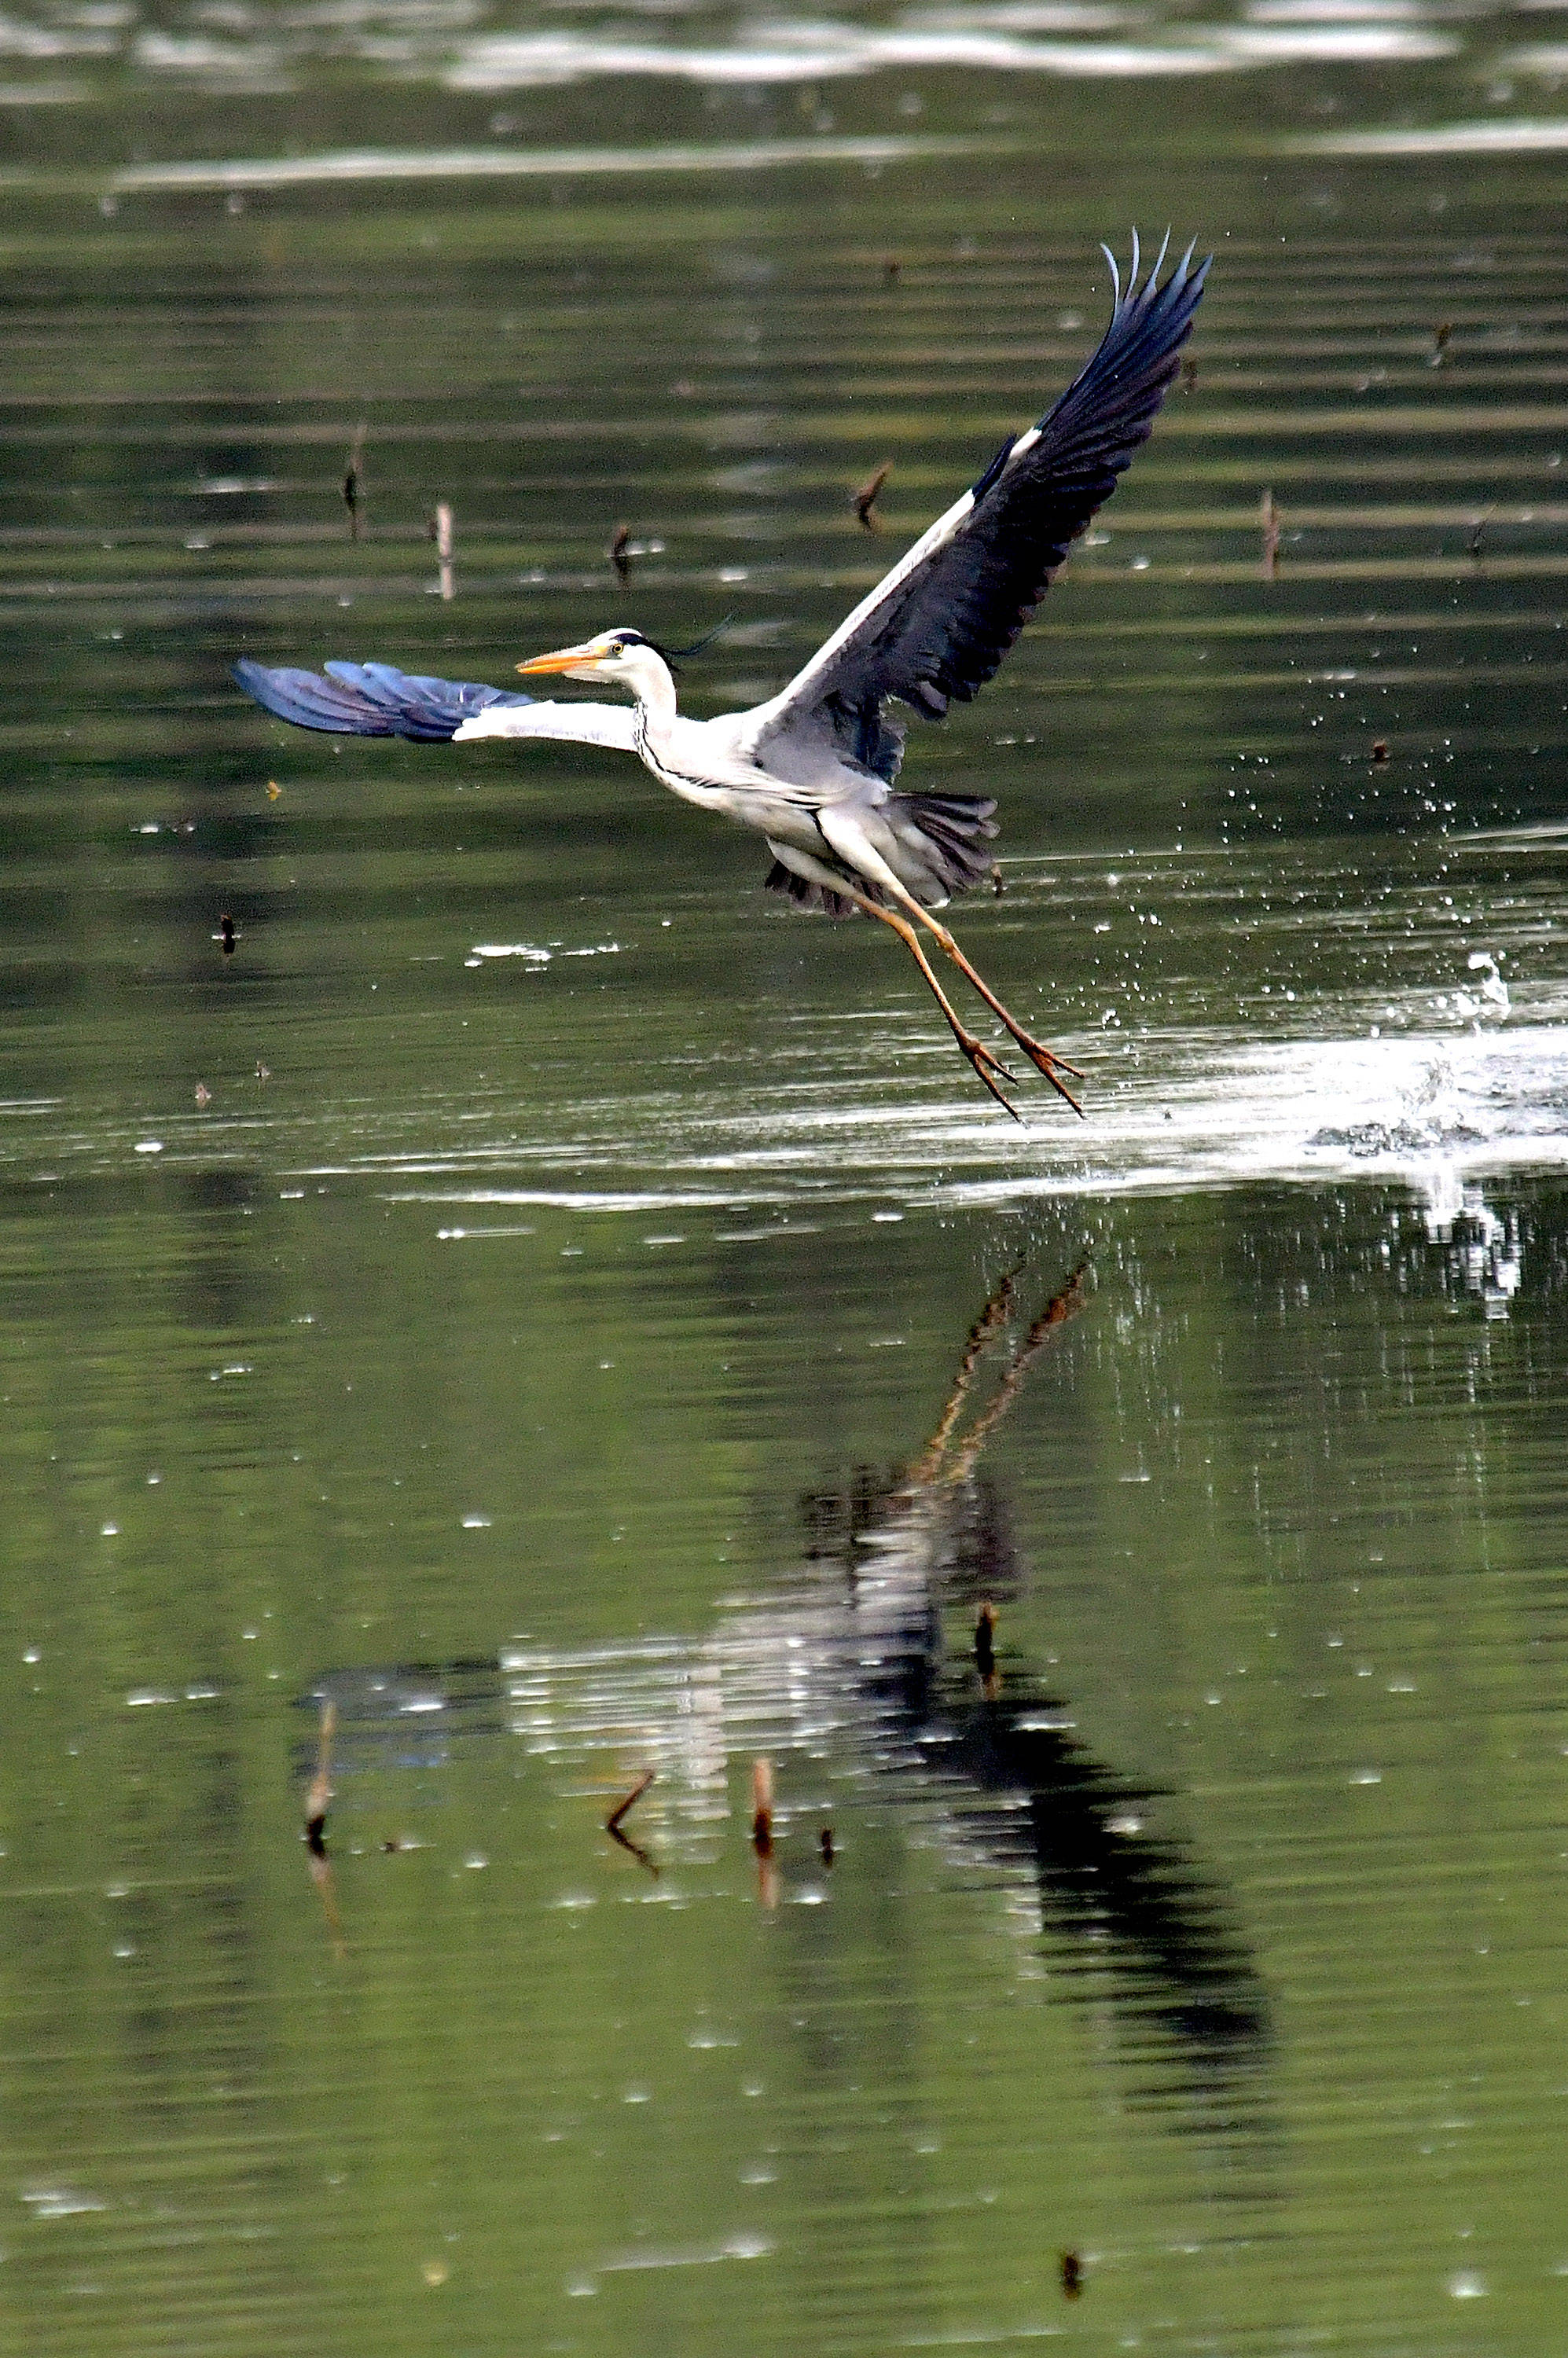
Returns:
point(1044, 1059)
point(974, 1050)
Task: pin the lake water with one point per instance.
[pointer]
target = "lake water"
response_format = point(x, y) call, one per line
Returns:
point(537, 1312)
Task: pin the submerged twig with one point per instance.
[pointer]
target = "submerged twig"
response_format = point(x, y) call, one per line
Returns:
point(614, 1828)
point(612, 1823)
point(762, 1808)
point(762, 1831)
point(353, 476)
point(1268, 517)
point(865, 498)
point(321, 1790)
point(441, 533)
point(317, 1800)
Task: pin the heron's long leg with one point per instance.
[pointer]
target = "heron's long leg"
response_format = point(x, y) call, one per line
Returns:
point(1062, 1306)
point(978, 1055)
point(992, 1319)
point(1044, 1058)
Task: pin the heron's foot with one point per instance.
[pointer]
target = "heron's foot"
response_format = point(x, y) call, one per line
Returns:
point(1046, 1061)
point(989, 1069)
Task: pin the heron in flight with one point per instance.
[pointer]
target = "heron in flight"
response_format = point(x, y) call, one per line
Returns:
point(814, 768)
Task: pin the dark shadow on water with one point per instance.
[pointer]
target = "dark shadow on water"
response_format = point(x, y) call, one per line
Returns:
point(1079, 1829)
point(1125, 1913)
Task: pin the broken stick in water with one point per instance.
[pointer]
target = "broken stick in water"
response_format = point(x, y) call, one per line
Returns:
point(441, 533)
point(614, 1828)
point(762, 1808)
point(353, 478)
point(315, 1804)
point(866, 497)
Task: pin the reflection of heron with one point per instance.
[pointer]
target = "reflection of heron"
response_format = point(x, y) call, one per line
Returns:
point(848, 1665)
point(813, 768)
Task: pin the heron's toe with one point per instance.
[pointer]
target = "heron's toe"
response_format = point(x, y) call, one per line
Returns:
point(990, 1069)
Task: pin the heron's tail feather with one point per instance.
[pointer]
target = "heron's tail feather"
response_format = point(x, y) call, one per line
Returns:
point(948, 833)
point(807, 895)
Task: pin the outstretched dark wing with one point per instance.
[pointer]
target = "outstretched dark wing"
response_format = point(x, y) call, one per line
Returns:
point(937, 626)
point(371, 700)
point(376, 701)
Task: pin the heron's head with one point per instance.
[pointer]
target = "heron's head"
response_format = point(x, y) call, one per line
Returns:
point(625, 656)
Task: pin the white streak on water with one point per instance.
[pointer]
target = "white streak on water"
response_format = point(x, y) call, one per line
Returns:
point(1438, 1109)
point(275, 52)
point(817, 51)
point(358, 164)
point(59, 2202)
point(578, 1200)
point(699, 2256)
point(1515, 137)
point(804, 53)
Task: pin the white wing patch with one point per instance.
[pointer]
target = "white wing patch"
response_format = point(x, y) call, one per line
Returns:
point(614, 725)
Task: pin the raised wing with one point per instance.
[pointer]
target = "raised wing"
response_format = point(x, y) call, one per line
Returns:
point(939, 625)
point(376, 701)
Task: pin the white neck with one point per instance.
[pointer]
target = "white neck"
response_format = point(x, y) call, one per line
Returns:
point(648, 675)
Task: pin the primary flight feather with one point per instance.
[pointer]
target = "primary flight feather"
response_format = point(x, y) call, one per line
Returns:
point(813, 769)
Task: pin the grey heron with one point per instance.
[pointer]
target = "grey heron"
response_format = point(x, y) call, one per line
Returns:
point(813, 768)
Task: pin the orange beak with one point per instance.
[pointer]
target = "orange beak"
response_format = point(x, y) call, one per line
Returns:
point(563, 659)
